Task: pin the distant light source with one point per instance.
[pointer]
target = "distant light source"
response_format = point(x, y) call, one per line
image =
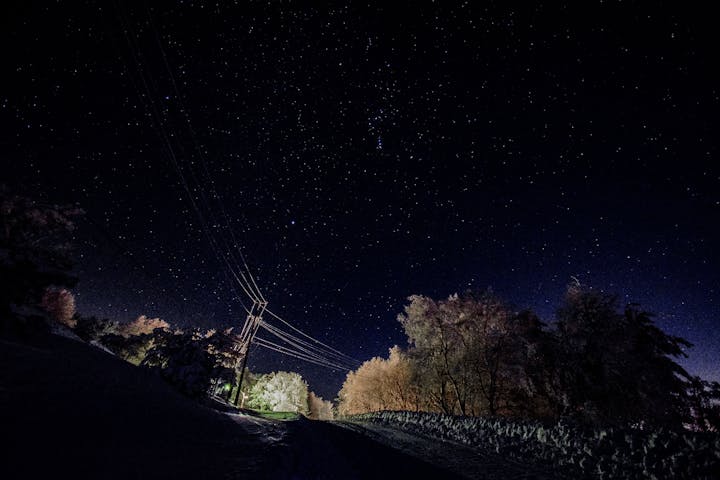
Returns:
point(227, 387)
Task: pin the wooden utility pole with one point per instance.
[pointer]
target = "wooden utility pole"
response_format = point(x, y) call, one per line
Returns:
point(252, 323)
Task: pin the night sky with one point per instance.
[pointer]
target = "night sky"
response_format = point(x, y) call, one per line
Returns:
point(364, 154)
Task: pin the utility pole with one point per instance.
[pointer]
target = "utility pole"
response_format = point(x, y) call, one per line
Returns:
point(252, 323)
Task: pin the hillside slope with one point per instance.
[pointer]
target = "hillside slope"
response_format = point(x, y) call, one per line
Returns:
point(70, 410)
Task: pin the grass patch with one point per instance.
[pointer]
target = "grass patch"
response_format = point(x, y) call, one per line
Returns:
point(277, 415)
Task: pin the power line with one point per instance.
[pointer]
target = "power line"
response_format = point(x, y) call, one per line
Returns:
point(317, 360)
point(195, 185)
point(131, 37)
point(311, 353)
point(286, 351)
point(274, 315)
point(211, 182)
point(306, 346)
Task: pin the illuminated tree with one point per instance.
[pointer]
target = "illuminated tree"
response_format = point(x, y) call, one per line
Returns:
point(142, 325)
point(466, 352)
point(436, 354)
point(133, 341)
point(279, 392)
point(380, 384)
point(318, 408)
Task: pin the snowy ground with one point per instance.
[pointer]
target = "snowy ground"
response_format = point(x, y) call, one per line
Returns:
point(69, 410)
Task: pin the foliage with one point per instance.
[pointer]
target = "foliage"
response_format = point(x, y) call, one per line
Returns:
point(35, 252)
point(198, 363)
point(133, 349)
point(704, 404)
point(142, 325)
point(472, 355)
point(93, 329)
point(616, 366)
point(59, 303)
point(221, 345)
point(279, 392)
point(381, 384)
point(319, 409)
point(180, 358)
point(468, 353)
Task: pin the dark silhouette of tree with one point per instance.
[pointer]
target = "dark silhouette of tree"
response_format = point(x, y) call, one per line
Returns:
point(34, 252)
point(183, 360)
point(93, 329)
point(537, 356)
point(617, 367)
point(220, 344)
point(493, 339)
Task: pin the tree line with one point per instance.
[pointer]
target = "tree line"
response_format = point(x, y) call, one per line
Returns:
point(598, 363)
point(201, 364)
point(471, 354)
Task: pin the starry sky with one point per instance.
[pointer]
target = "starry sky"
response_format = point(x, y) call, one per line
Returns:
point(361, 154)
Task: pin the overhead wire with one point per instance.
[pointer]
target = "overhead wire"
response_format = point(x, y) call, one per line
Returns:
point(305, 346)
point(315, 357)
point(277, 317)
point(251, 283)
point(311, 353)
point(256, 291)
point(145, 96)
point(286, 351)
point(262, 343)
point(130, 37)
point(238, 269)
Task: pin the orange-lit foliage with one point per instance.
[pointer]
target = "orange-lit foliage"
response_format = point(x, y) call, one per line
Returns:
point(380, 384)
point(319, 409)
point(142, 325)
